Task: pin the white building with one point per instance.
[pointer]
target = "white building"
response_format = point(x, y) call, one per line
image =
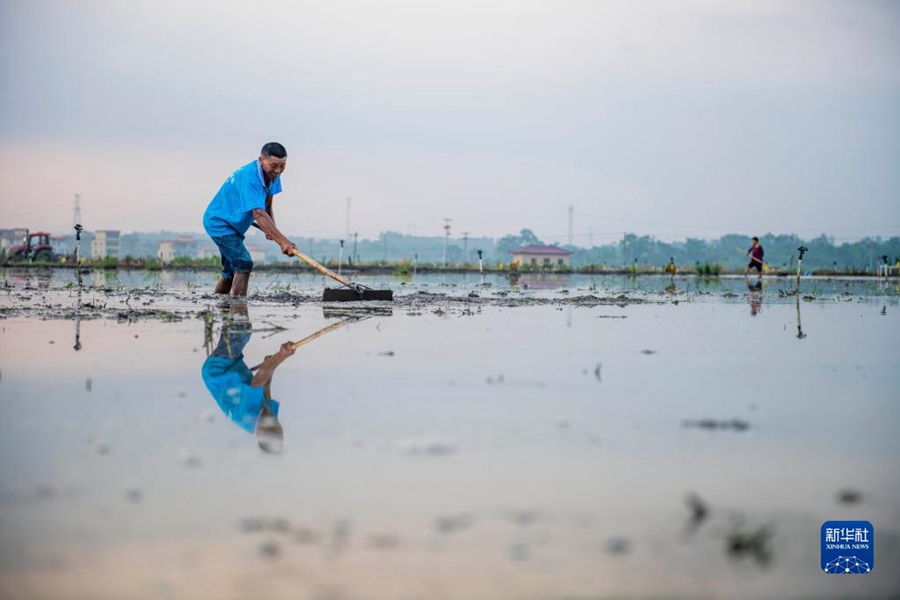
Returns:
point(105, 243)
point(184, 247)
point(12, 237)
point(257, 254)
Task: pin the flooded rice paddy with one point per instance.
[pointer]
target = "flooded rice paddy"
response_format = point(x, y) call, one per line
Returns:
point(551, 437)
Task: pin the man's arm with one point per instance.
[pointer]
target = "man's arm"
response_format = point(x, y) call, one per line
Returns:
point(269, 210)
point(264, 374)
point(268, 227)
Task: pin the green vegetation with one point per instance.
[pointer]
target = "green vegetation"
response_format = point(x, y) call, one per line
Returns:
point(707, 269)
point(403, 267)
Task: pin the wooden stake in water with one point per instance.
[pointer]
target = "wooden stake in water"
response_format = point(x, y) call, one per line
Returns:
point(78, 230)
point(801, 250)
point(481, 266)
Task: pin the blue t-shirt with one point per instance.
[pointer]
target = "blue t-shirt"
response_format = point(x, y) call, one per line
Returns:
point(228, 380)
point(231, 210)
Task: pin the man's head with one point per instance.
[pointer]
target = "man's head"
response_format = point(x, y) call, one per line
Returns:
point(756, 241)
point(269, 433)
point(273, 159)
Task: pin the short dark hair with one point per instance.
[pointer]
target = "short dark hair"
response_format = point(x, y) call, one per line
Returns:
point(274, 149)
point(755, 239)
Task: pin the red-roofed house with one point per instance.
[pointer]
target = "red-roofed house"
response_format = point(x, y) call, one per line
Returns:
point(542, 256)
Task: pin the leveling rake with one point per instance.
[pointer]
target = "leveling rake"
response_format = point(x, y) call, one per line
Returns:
point(354, 291)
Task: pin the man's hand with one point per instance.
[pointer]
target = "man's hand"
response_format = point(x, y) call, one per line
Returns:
point(287, 349)
point(287, 246)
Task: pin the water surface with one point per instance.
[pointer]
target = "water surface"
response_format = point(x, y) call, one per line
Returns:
point(446, 451)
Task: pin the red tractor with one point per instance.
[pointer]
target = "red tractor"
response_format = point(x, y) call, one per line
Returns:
point(35, 247)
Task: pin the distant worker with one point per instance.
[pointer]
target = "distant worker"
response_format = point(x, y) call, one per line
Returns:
point(756, 254)
point(671, 269)
point(244, 197)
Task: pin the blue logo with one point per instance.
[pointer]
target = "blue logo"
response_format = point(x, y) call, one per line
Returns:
point(848, 547)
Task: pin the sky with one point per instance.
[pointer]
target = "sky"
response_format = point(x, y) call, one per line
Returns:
point(673, 119)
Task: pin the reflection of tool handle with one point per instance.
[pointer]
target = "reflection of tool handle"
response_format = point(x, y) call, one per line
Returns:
point(321, 332)
point(317, 335)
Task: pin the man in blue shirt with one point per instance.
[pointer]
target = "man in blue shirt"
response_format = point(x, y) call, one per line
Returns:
point(244, 197)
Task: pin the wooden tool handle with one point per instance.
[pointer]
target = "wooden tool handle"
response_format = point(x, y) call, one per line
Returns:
point(320, 268)
point(315, 264)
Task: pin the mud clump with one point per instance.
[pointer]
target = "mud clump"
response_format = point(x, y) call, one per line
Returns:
point(713, 425)
point(426, 446)
point(270, 550)
point(618, 546)
point(755, 544)
point(849, 496)
point(454, 523)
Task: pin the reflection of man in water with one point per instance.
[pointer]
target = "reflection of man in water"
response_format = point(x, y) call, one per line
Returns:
point(756, 296)
point(246, 398)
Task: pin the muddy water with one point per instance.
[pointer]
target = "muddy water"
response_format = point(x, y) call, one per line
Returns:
point(431, 451)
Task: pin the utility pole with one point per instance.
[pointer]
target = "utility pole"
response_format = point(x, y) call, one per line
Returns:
point(591, 236)
point(384, 239)
point(76, 217)
point(446, 237)
point(355, 254)
point(466, 247)
point(571, 222)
